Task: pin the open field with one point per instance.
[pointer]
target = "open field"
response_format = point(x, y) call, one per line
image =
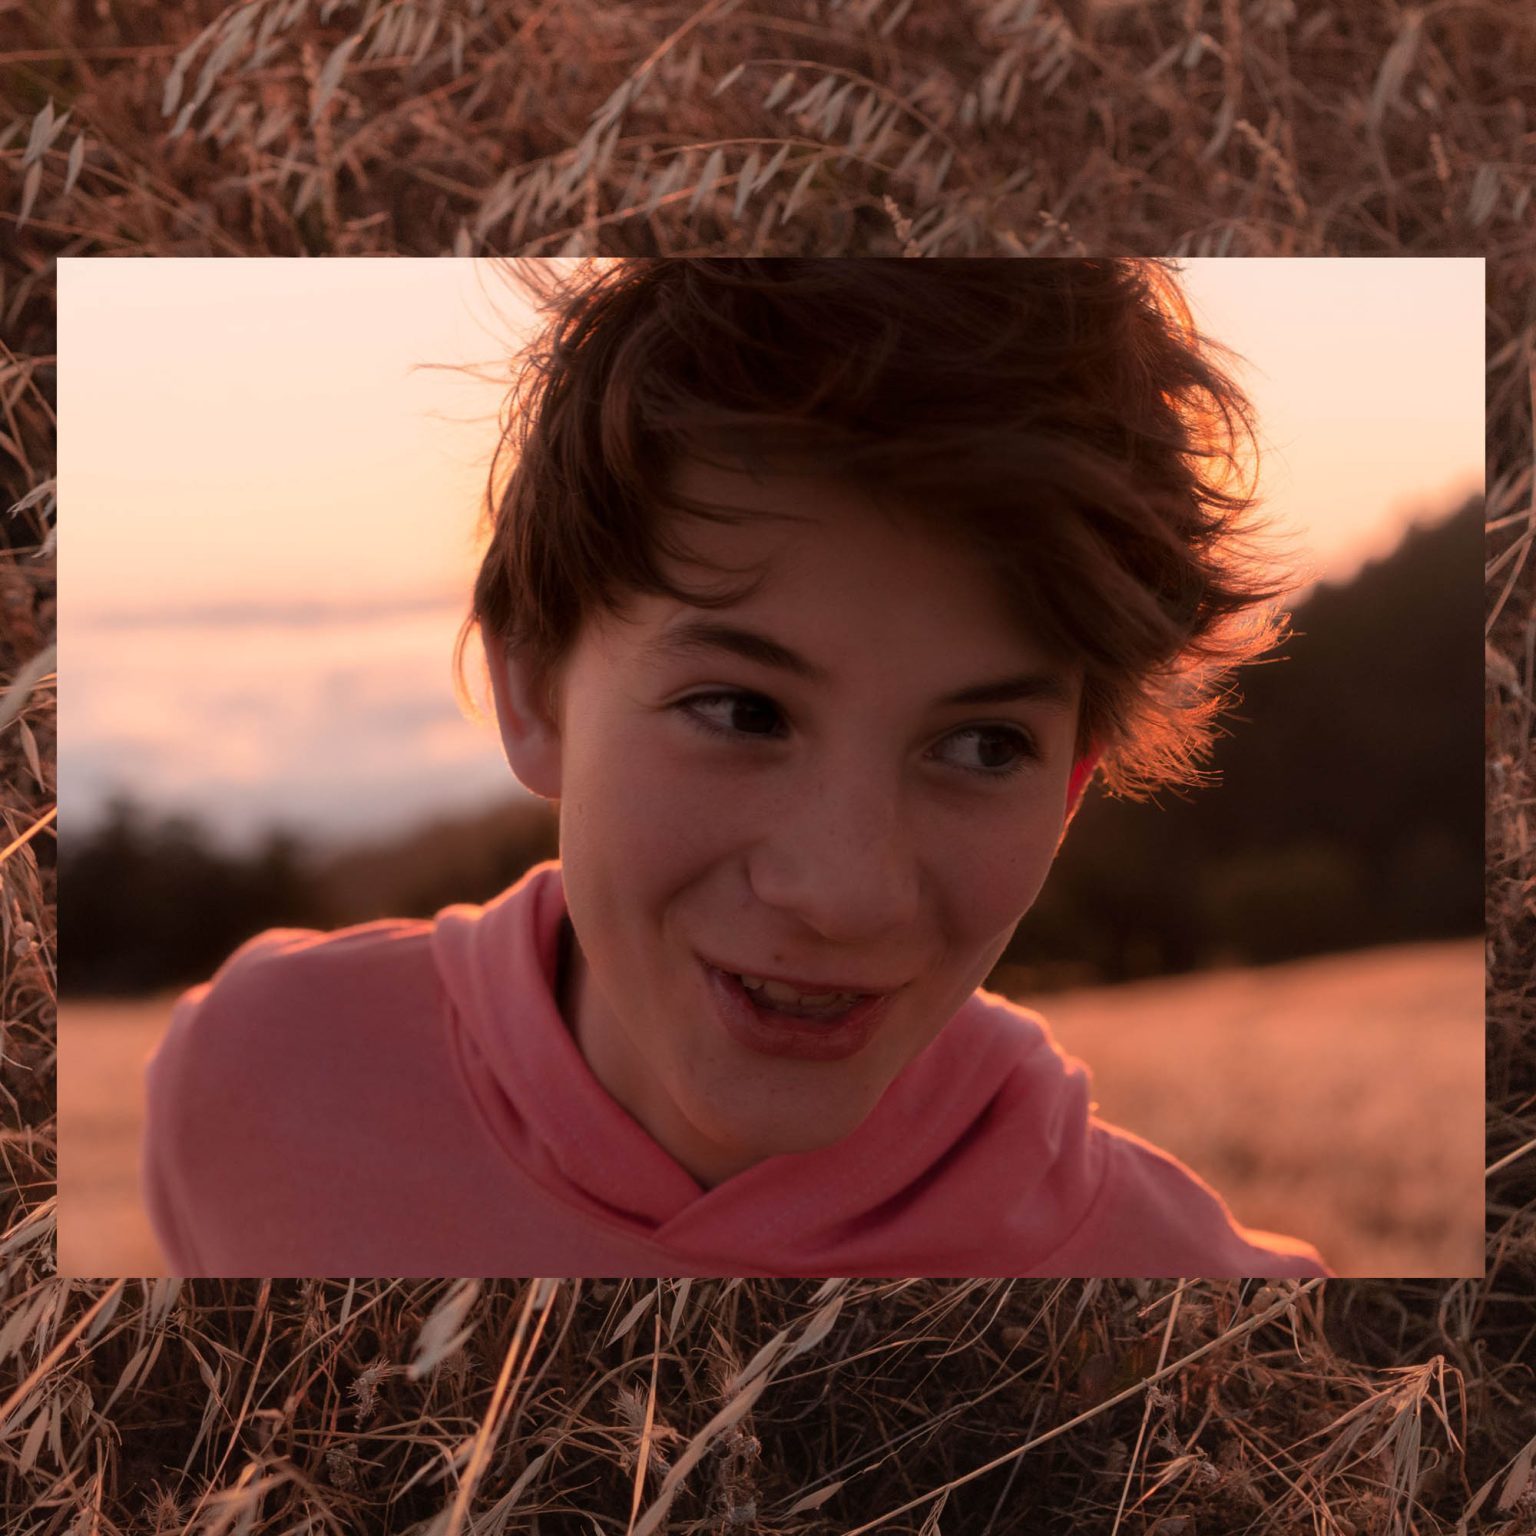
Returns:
point(1338, 1099)
point(102, 1048)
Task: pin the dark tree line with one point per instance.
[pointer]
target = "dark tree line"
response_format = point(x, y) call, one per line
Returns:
point(148, 904)
point(1350, 806)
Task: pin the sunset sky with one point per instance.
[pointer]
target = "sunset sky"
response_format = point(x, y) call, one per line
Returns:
point(271, 510)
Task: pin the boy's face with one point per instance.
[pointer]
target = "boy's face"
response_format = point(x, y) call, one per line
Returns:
point(721, 812)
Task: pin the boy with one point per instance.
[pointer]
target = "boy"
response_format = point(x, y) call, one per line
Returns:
point(819, 592)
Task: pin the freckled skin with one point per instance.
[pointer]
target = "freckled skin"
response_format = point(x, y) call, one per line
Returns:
point(854, 843)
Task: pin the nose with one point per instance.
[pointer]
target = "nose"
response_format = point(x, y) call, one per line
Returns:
point(840, 858)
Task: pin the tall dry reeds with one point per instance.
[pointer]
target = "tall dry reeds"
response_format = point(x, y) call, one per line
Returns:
point(288, 127)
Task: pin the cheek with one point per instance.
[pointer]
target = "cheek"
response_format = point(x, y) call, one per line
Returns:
point(637, 798)
point(995, 868)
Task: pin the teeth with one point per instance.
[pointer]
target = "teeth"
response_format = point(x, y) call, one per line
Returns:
point(777, 992)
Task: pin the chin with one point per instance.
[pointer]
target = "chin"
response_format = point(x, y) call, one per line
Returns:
point(744, 1126)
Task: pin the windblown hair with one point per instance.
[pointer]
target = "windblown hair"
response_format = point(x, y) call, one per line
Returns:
point(1060, 417)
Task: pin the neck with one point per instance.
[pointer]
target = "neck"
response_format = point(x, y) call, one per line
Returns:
point(565, 974)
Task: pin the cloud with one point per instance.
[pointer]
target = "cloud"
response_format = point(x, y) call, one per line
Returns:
point(313, 613)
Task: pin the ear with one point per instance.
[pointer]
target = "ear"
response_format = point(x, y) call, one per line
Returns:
point(530, 736)
point(1082, 773)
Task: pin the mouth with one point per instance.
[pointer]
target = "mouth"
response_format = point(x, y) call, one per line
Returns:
point(775, 1019)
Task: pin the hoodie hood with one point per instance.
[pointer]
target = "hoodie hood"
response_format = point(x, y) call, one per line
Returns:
point(980, 1146)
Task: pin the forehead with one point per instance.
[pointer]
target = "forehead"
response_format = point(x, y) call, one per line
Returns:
point(840, 566)
point(794, 525)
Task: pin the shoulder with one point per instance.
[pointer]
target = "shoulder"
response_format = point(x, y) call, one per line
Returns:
point(291, 1008)
point(286, 956)
point(1154, 1218)
point(999, 1030)
point(291, 987)
point(1149, 1215)
point(284, 991)
point(291, 979)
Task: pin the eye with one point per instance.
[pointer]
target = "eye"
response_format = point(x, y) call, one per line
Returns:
point(1001, 750)
point(998, 751)
point(743, 714)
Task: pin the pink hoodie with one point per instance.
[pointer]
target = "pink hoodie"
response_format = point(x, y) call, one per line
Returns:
point(404, 1098)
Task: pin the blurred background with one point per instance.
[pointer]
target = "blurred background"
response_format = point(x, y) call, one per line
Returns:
point(274, 470)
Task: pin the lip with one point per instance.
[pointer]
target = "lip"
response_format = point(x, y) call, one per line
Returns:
point(806, 988)
point(777, 1034)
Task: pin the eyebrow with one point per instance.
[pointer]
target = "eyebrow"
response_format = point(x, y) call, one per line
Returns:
point(706, 636)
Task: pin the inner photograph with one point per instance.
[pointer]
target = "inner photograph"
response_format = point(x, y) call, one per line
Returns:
point(772, 767)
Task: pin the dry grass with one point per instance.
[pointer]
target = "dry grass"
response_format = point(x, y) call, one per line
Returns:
point(1245, 127)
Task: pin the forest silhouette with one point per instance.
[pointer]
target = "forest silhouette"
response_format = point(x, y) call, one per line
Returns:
point(1348, 813)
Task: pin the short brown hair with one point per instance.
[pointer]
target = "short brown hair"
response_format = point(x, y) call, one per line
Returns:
point(1061, 416)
